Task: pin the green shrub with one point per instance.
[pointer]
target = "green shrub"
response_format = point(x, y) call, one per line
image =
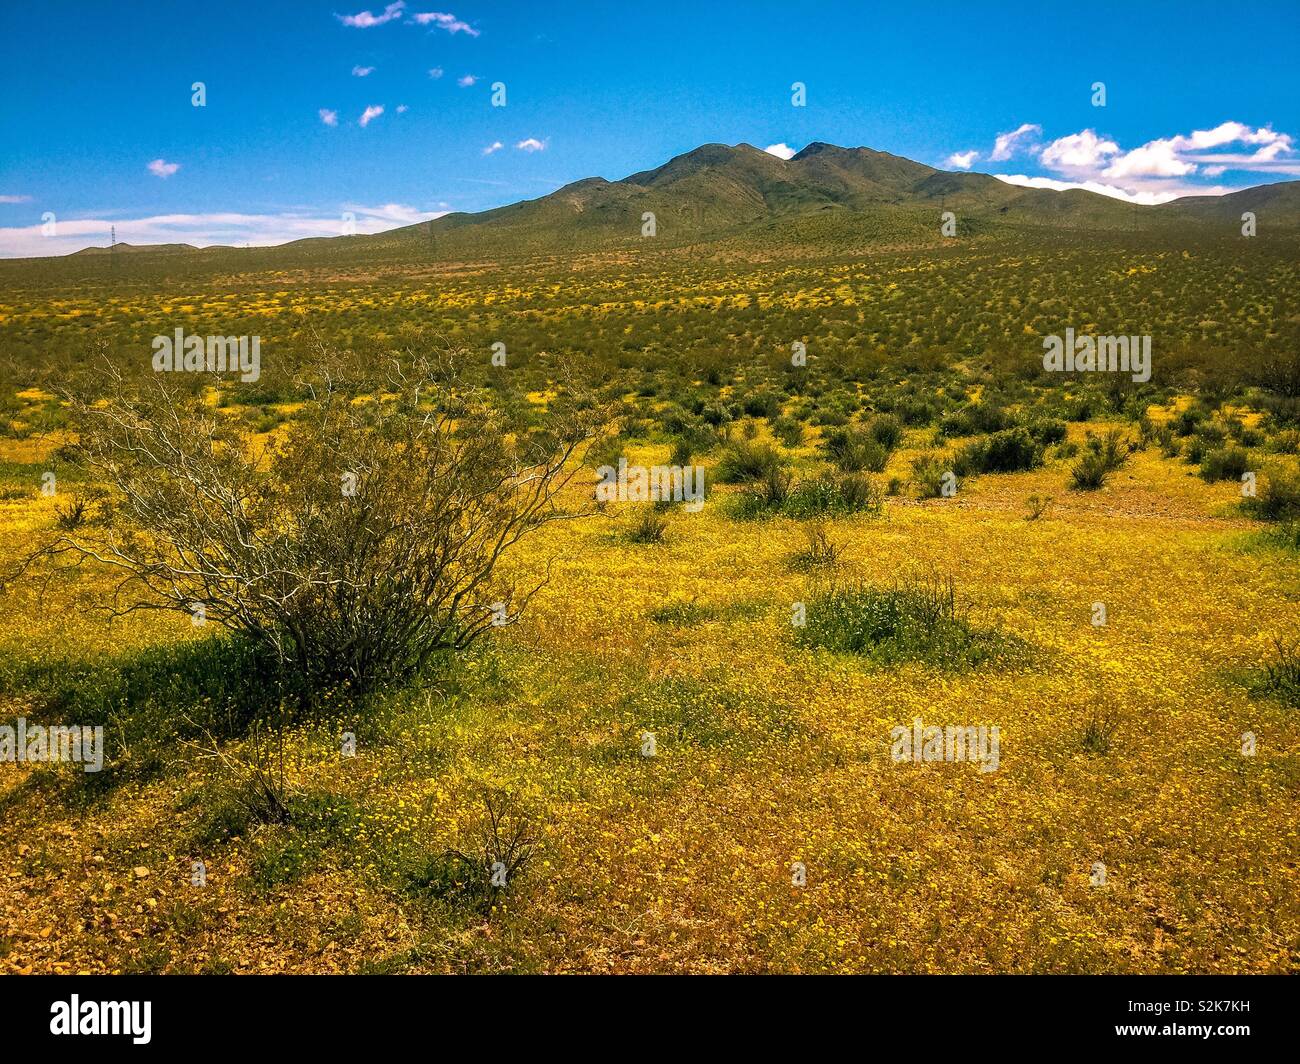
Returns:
point(743, 460)
point(854, 450)
point(1048, 430)
point(1227, 463)
point(789, 431)
point(821, 552)
point(1278, 497)
point(648, 526)
point(918, 621)
point(930, 473)
point(1101, 458)
point(887, 431)
point(1280, 678)
point(1004, 452)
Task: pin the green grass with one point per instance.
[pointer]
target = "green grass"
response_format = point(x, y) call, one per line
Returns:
point(921, 621)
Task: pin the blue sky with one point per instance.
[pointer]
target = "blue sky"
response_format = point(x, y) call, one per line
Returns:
point(98, 126)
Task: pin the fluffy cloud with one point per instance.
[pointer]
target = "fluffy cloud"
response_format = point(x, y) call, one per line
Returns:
point(330, 118)
point(15, 199)
point(436, 72)
point(369, 115)
point(363, 20)
point(362, 72)
point(962, 159)
point(781, 151)
point(1006, 145)
point(450, 23)
point(531, 144)
point(1160, 169)
point(495, 146)
point(1081, 152)
point(204, 230)
point(467, 80)
point(163, 169)
point(1148, 198)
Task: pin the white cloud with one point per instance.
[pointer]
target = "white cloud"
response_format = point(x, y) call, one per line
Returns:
point(1096, 186)
point(362, 72)
point(1081, 153)
point(15, 199)
point(1159, 170)
point(204, 230)
point(370, 114)
point(1006, 145)
point(495, 146)
point(467, 80)
point(531, 144)
point(450, 23)
point(1174, 156)
point(402, 108)
point(781, 151)
point(436, 72)
point(330, 118)
point(962, 160)
point(163, 169)
point(364, 19)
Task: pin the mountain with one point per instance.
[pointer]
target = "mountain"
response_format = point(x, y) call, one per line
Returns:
point(1277, 204)
point(718, 191)
point(135, 249)
point(825, 196)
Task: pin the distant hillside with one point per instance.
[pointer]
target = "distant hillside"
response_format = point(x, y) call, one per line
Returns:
point(128, 249)
point(715, 189)
point(825, 196)
point(1277, 204)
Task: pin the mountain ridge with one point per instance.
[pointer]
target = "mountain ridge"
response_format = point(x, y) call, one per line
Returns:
point(716, 189)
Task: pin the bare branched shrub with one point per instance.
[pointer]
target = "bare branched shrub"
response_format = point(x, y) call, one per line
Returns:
point(357, 544)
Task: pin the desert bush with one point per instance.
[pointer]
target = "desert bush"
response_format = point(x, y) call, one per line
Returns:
point(743, 460)
point(856, 449)
point(789, 431)
point(887, 431)
point(1186, 422)
point(820, 551)
point(648, 526)
point(852, 493)
point(1100, 459)
point(1047, 430)
point(1036, 506)
point(930, 473)
point(1227, 463)
point(921, 620)
point(1004, 452)
point(1277, 498)
point(1280, 678)
point(493, 855)
point(1285, 442)
point(356, 548)
point(1098, 731)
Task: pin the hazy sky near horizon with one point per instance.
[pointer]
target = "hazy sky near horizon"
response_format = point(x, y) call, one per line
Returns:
point(317, 113)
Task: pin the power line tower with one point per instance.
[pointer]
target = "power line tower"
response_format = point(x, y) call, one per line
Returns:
point(112, 246)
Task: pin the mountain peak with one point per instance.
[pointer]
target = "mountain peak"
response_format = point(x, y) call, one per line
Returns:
point(817, 147)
